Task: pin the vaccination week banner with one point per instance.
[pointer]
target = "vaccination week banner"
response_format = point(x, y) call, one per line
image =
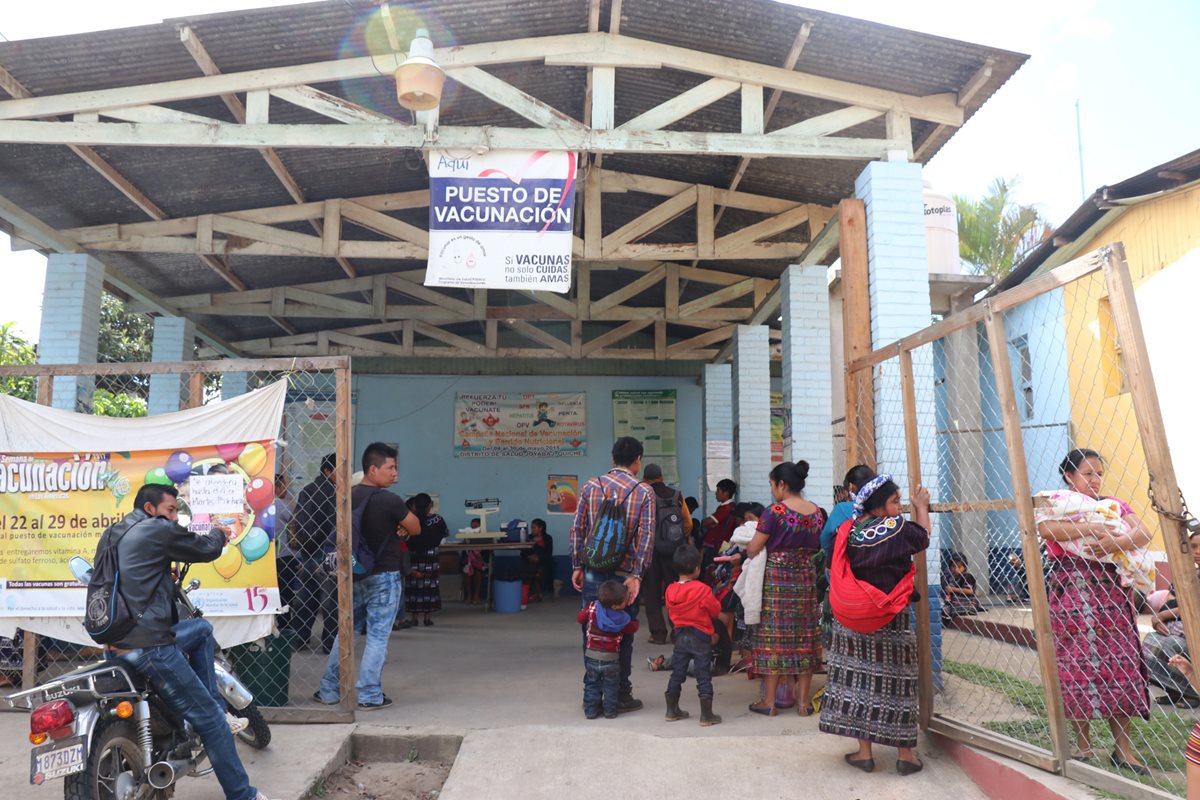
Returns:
point(55, 506)
point(501, 220)
point(520, 425)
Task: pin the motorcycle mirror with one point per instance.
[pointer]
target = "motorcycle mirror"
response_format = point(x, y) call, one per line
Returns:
point(81, 569)
point(193, 584)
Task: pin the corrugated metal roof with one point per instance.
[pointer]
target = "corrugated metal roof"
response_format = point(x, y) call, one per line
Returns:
point(64, 192)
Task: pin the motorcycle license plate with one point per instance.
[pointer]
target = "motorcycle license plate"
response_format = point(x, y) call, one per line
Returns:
point(56, 760)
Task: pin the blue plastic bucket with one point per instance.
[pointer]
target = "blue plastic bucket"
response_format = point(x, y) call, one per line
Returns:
point(508, 597)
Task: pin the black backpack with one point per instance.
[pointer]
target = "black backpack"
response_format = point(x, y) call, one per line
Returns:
point(107, 617)
point(668, 525)
point(362, 555)
point(608, 540)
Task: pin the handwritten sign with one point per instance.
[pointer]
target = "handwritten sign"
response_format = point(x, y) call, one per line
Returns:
point(216, 494)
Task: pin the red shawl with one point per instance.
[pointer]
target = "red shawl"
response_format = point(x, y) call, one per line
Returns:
point(857, 604)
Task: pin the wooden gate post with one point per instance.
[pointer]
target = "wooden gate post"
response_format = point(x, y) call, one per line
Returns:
point(912, 451)
point(1144, 394)
point(1030, 547)
point(343, 442)
point(856, 332)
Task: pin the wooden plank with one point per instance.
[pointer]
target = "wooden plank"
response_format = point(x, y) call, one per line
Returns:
point(899, 129)
point(1144, 393)
point(360, 344)
point(629, 290)
point(301, 243)
point(700, 341)
point(407, 336)
point(514, 99)
point(556, 301)
point(536, 334)
point(375, 136)
point(705, 222)
point(431, 296)
point(383, 224)
point(671, 306)
point(761, 230)
point(350, 307)
point(258, 104)
point(617, 334)
point(831, 122)
point(604, 98)
point(615, 182)
point(649, 222)
point(682, 105)
point(912, 455)
point(195, 390)
point(719, 297)
point(1115, 784)
point(995, 742)
point(583, 291)
point(576, 339)
point(976, 82)
point(343, 442)
point(331, 229)
point(710, 276)
point(155, 114)
point(480, 300)
point(448, 338)
point(752, 109)
point(973, 315)
point(767, 308)
point(856, 332)
point(1030, 542)
point(593, 232)
point(330, 105)
point(660, 340)
point(491, 334)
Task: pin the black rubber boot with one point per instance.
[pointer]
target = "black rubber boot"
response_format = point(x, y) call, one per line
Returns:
point(707, 717)
point(673, 711)
point(627, 702)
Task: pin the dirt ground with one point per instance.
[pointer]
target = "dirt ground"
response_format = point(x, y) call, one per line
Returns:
point(402, 780)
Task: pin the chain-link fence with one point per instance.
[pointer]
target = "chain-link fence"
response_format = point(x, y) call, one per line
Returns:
point(297, 503)
point(1053, 611)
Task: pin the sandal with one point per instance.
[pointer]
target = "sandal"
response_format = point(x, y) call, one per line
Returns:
point(766, 711)
point(804, 711)
point(657, 663)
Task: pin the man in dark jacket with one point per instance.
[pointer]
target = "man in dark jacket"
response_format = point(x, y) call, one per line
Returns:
point(148, 540)
point(313, 522)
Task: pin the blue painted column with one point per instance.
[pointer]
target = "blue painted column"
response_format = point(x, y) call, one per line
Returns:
point(807, 380)
point(892, 193)
point(71, 324)
point(751, 410)
point(718, 430)
point(234, 384)
point(174, 340)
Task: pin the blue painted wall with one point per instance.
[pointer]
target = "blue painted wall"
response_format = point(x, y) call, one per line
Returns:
point(417, 412)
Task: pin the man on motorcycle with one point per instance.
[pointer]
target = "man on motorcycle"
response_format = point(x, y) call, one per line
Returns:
point(151, 541)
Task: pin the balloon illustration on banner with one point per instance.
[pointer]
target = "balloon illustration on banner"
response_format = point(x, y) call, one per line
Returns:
point(179, 466)
point(159, 477)
point(229, 452)
point(229, 562)
point(266, 521)
point(253, 458)
point(260, 494)
point(254, 545)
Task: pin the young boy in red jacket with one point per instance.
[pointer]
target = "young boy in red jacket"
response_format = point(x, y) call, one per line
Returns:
point(692, 608)
point(605, 622)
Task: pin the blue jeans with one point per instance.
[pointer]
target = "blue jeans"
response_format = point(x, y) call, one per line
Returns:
point(169, 672)
point(695, 646)
point(376, 601)
point(601, 682)
point(591, 588)
point(194, 637)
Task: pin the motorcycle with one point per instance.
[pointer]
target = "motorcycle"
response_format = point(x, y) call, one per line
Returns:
point(106, 731)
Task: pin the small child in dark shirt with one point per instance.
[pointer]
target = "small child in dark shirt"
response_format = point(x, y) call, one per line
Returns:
point(692, 608)
point(604, 624)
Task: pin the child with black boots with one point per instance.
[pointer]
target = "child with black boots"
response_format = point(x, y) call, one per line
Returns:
point(605, 623)
point(692, 608)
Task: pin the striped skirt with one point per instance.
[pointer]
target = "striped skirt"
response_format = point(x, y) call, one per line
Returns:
point(1192, 753)
point(871, 688)
point(423, 595)
point(788, 639)
point(1096, 644)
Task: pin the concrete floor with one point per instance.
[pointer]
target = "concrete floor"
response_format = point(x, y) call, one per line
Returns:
point(511, 685)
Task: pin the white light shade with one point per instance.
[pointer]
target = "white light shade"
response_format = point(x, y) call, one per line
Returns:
point(419, 79)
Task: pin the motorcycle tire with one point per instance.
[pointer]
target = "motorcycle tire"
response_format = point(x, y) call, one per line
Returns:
point(258, 733)
point(114, 750)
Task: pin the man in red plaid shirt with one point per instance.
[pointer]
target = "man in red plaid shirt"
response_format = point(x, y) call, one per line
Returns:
point(622, 482)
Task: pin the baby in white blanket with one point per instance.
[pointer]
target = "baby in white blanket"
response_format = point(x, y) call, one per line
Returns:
point(1134, 567)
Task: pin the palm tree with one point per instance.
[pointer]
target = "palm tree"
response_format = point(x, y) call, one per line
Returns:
point(995, 233)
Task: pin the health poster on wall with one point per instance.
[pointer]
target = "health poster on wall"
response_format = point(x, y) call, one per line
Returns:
point(562, 494)
point(780, 427)
point(533, 425)
point(55, 506)
point(501, 219)
point(649, 417)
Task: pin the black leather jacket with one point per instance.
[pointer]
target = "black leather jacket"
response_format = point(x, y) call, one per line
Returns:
point(145, 551)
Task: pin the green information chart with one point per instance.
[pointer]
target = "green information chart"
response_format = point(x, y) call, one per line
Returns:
point(649, 416)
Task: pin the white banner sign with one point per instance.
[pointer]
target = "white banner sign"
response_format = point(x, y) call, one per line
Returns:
point(501, 220)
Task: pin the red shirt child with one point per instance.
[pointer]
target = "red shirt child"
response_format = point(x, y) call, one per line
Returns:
point(691, 604)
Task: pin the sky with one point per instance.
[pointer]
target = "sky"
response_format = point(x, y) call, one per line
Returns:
point(1131, 68)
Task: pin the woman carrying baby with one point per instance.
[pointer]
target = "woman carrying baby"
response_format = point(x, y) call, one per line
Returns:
point(1096, 643)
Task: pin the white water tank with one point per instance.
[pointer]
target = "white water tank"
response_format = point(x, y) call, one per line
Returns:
point(941, 232)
